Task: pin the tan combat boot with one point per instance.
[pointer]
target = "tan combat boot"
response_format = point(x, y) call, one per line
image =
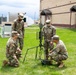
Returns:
point(5, 62)
point(61, 65)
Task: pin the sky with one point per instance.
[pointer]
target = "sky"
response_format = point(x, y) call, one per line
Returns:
point(31, 7)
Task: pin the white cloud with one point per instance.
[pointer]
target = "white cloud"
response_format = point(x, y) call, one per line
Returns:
point(28, 6)
point(19, 2)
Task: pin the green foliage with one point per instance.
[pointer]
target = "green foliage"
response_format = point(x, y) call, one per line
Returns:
point(34, 67)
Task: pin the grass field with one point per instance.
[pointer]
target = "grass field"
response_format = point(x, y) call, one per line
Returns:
point(34, 67)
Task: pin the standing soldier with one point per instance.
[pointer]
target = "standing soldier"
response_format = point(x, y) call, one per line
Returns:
point(18, 26)
point(12, 50)
point(59, 53)
point(48, 32)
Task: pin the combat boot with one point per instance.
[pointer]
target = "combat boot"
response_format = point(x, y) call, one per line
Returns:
point(61, 65)
point(51, 62)
point(5, 62)
point(16, 65)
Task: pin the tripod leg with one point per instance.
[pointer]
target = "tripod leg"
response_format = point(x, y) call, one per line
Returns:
point(25, 55)
point(36, 52)
point(40, 53)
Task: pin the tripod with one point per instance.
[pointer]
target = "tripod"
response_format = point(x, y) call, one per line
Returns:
point(40, 45)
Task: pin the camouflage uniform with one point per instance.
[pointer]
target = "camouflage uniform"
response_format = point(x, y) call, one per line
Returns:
point(11, 52)
point(60, 52)
point(48, 33)
point(19, 27)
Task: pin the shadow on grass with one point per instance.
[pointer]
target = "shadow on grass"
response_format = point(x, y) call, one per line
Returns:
point(52, 67)
point(72, 29)
point(6, 68)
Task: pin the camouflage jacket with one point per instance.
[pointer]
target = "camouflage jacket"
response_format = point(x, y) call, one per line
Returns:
point(11, 47)
point(60, 48)
point(48, 32)
point(19, 27)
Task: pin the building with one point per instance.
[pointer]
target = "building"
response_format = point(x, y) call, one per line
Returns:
point(27, 20)
point(63, 12)
point(6, 29)
point(3, 19)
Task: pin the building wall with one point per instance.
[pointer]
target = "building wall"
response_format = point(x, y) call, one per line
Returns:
point(60, 9)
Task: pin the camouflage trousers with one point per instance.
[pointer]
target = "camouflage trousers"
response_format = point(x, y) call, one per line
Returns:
point(13, 61)
point(20, 40)
point(58, 57)
point(47, 47)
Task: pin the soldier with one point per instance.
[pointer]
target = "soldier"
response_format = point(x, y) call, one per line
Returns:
point(12, 50)
point(59, 53)
point(48, 32)
point(18, 26)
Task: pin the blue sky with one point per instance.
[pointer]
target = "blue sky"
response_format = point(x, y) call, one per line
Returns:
point(31, 7)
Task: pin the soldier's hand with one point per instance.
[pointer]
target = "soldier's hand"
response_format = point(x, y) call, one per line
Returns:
point(18, 49)
point(51, 43)
point(49, 54)
point(50, 51)
point(23, 36)
point(14, 57)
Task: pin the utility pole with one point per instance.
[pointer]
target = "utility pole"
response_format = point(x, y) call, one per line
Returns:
point(2, 18)
point(8, 16)
point(34, 17)
point(40, 8)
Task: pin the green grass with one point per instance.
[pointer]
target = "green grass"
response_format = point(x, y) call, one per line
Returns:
point(34, 67)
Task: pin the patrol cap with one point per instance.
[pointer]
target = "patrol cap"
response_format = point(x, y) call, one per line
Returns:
point(55, 37)
point(21, 15)
point(47, 21)
point(14, 33)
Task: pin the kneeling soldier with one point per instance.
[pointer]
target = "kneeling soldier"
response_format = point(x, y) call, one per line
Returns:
point(12, 50)
point(59, 53)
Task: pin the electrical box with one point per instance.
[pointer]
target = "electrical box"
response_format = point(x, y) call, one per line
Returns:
point(6, 29)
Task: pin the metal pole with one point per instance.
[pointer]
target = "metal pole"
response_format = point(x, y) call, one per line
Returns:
point(36, 52)
point(75, 20)
point(34, 17)
point(25, 55)
point(70, 18)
